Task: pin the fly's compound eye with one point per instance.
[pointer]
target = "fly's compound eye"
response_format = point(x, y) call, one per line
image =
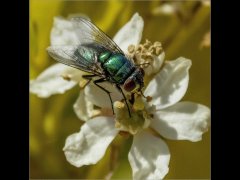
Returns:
point(129, 85)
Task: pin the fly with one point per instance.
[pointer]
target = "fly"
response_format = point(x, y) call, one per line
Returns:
point(100, 56)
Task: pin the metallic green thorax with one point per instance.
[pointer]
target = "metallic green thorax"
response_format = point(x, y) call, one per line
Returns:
point(104, 56)
point(117, 65)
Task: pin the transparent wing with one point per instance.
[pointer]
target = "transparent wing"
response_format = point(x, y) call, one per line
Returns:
point(74, 56)
point(87, 33)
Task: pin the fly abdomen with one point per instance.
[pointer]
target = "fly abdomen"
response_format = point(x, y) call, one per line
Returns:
point(124, 72)
point(117, 66)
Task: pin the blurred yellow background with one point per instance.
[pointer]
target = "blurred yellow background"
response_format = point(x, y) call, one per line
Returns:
point(183, 28)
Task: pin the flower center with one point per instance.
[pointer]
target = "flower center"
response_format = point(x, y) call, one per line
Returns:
point(144, 54)
point(139, 120)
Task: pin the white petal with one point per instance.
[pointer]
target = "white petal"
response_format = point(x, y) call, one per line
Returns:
point(149, 157)
point(50, 82)
point(99, 97)
point(170, 84)
point(63, 32)
point(82, 107)
point(89, 145)
point(130, 33)
point(182, 121)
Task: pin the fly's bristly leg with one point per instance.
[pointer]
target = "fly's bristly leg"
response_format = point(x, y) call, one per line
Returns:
point(100, 81)
point(143, 94)
point(120, 89)
point(89, 78)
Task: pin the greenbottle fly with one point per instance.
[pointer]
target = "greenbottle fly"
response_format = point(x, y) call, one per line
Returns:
point(100, 56)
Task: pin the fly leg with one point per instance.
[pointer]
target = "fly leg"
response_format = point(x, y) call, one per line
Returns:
point(120, 89)
point(100, 81)
point(88, 78)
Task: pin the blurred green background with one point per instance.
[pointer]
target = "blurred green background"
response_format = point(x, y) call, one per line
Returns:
point(183, 29)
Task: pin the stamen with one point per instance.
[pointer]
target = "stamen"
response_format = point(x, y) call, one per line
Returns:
point(137, 122)
point(66, 77)
point(149, 98)
point(145, 55)
point(131, 48)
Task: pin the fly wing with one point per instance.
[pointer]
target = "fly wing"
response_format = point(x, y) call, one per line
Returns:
point(92, 42)
point(80, 57)
point(88, 33)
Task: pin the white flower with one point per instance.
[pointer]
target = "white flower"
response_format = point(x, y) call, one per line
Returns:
point(149, 155)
